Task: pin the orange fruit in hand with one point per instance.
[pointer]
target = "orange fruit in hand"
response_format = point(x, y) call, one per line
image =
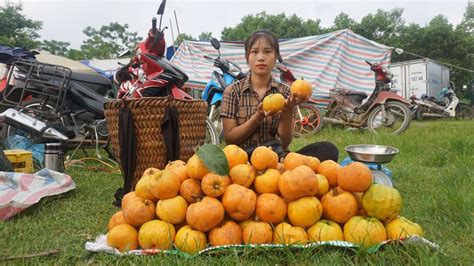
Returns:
point(273, 103)
point(301, 88)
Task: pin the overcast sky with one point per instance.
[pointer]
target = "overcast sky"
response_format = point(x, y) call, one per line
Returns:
point(64, 20)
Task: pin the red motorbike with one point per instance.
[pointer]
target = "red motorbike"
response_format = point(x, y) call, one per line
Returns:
point(149, 74)
point(307, 119)
point(384, 112)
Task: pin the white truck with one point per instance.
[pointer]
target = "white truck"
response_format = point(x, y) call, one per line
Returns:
point(417, 77)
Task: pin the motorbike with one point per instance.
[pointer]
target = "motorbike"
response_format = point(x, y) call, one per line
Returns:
point(307, 119)
point(449, 106)
point(150, 74)
point(212, 94)
point(384, 112)
point(48, 103)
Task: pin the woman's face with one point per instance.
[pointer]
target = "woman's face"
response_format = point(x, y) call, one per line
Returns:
point(261, 58)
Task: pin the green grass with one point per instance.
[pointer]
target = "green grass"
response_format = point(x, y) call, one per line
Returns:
point(433, 172)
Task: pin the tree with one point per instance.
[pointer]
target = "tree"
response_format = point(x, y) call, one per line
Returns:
point(181, 37)
point(343, 21)
point(281, 25)
point(205, 36)
point(467, 23)
point(55, 47)
point(108, 41)
point(16, 29)
point(383, 27)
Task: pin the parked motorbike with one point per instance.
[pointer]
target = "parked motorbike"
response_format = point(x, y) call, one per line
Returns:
point(384, 112)
point(149, 74)
point(212, 94)
point(307, 118)
point(449, 106)
point(49, 103)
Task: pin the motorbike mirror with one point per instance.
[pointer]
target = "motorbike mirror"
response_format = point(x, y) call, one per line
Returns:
point(215, 43)
point(161, 9)
point(124, 52)
point(280, 59)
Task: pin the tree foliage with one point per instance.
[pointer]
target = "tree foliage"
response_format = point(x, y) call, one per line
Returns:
point(181, 37)
point(16, 29)
point(55, 47)
point(108, 41)
point(281, 25)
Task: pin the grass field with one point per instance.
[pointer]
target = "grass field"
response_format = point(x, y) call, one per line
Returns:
point(434, 173)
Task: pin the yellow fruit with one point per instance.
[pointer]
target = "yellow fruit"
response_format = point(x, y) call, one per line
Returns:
point(172, 210)
point(271, 208)
point(142, 188)
point(401, 227)
point(323, 185)
point(364, 231)
point(284, 233)
point(382, 202)
point(156, 234)
point(257, 233)
point(304, 212)
point(115, 220)
point(242, 174)
point(189, 240)
point(293, 160)
point(164, 184)
point(325, 230)
point(179, 168)
point(301, 88)
point(263, 157)
point(227, 233)
point(273, 103)
point(329, 169)
point(235, 155)
point(123, 237)
point(267, 182)
point(297, 183)
point(339, 205)
point(195, 168)
point(138, 211)
point(354, 177)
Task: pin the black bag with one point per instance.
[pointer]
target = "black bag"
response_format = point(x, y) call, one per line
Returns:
point(274, 144)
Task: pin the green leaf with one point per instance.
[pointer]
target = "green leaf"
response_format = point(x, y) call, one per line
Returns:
point(214, 159)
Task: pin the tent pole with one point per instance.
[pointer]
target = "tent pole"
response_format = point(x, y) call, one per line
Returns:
point(172, 36)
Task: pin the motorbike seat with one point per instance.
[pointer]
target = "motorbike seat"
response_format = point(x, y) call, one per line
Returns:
point(91, 100)
point(357, 93)
point(90, 78)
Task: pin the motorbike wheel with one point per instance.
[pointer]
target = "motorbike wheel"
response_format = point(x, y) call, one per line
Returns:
point(396, 119)
point(464, 111)
point(211, 133)
point(311, 122)
point(419, 114)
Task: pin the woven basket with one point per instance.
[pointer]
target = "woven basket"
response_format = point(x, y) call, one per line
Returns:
point(147, 116)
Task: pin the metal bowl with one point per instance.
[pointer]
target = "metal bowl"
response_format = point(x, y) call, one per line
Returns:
point(371, 153)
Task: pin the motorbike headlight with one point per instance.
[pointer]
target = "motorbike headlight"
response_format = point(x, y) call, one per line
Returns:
point(214, 78)
point(234, 69)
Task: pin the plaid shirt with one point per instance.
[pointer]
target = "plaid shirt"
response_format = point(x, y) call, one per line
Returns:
point(240, 102)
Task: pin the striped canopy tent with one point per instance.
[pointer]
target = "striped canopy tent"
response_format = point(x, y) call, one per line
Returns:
point(332, 60)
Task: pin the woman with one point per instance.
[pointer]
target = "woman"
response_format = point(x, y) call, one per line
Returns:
point(245, 123)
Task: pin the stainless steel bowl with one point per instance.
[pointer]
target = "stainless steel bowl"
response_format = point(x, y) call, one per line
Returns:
point(371, 153)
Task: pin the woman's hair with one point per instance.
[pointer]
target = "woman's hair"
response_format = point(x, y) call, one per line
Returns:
point(262, 34)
